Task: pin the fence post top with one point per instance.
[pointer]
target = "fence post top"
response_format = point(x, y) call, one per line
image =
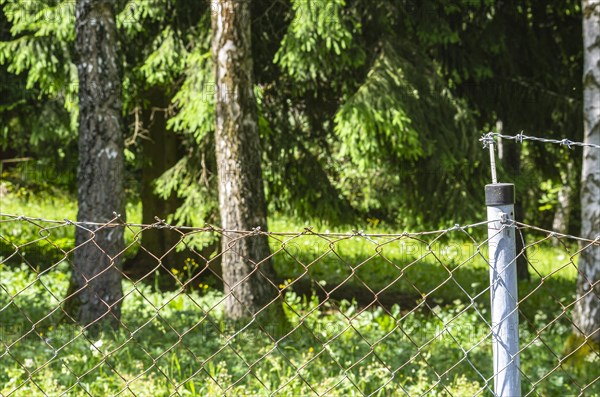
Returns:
point(499, 194)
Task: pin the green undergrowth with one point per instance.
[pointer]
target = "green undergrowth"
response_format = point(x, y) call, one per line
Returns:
point(176, 342)
point(433, 341)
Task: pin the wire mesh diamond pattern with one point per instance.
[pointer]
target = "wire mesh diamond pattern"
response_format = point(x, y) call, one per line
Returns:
point(362, 314)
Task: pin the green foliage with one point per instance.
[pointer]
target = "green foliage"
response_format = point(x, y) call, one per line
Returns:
point(164, 59)
point(135, 17)
point(365, 110)
point(195, 98)
point(193, 177)
point(44, 30)
point(373, 124)
point(406, 136)
point(38, 109)
point(319, 44)
point(199, 205)
point(531, 84)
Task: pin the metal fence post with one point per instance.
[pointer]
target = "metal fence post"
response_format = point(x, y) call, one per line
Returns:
point(500, 199)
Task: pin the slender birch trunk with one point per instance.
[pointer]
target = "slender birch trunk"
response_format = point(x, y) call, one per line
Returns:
point(586, 317)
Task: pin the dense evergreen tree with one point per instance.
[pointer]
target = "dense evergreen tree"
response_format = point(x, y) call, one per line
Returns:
point(38, 90)
point(366, 99)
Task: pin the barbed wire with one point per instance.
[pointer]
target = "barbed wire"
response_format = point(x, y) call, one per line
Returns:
point(162, 224)
point(488, 139)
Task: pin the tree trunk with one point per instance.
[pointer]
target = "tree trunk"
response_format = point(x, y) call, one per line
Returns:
point(96, 277)
point(562, 215)
point(560, 223)
point(160, 152)
point(247, 269)
point(586, 317)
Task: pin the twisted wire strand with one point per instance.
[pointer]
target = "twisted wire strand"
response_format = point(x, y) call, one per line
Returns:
point(488, 139)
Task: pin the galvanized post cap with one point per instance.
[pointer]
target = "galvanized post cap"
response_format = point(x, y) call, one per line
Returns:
point(499, 194)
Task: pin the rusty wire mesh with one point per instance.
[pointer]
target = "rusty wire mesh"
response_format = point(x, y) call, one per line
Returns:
point(366, 314)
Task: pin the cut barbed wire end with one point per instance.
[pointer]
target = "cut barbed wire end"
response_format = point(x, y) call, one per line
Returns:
point(487, 139)
point(567, 143)
point(256, 230)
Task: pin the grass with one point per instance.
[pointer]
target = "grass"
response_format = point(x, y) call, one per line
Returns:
point(179, 342)
point(173, 341)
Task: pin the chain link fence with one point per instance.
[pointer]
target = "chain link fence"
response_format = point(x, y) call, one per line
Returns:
point(364, 314)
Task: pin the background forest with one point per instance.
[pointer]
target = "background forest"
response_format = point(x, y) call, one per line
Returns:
point(367, 111)
point(353, 115)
